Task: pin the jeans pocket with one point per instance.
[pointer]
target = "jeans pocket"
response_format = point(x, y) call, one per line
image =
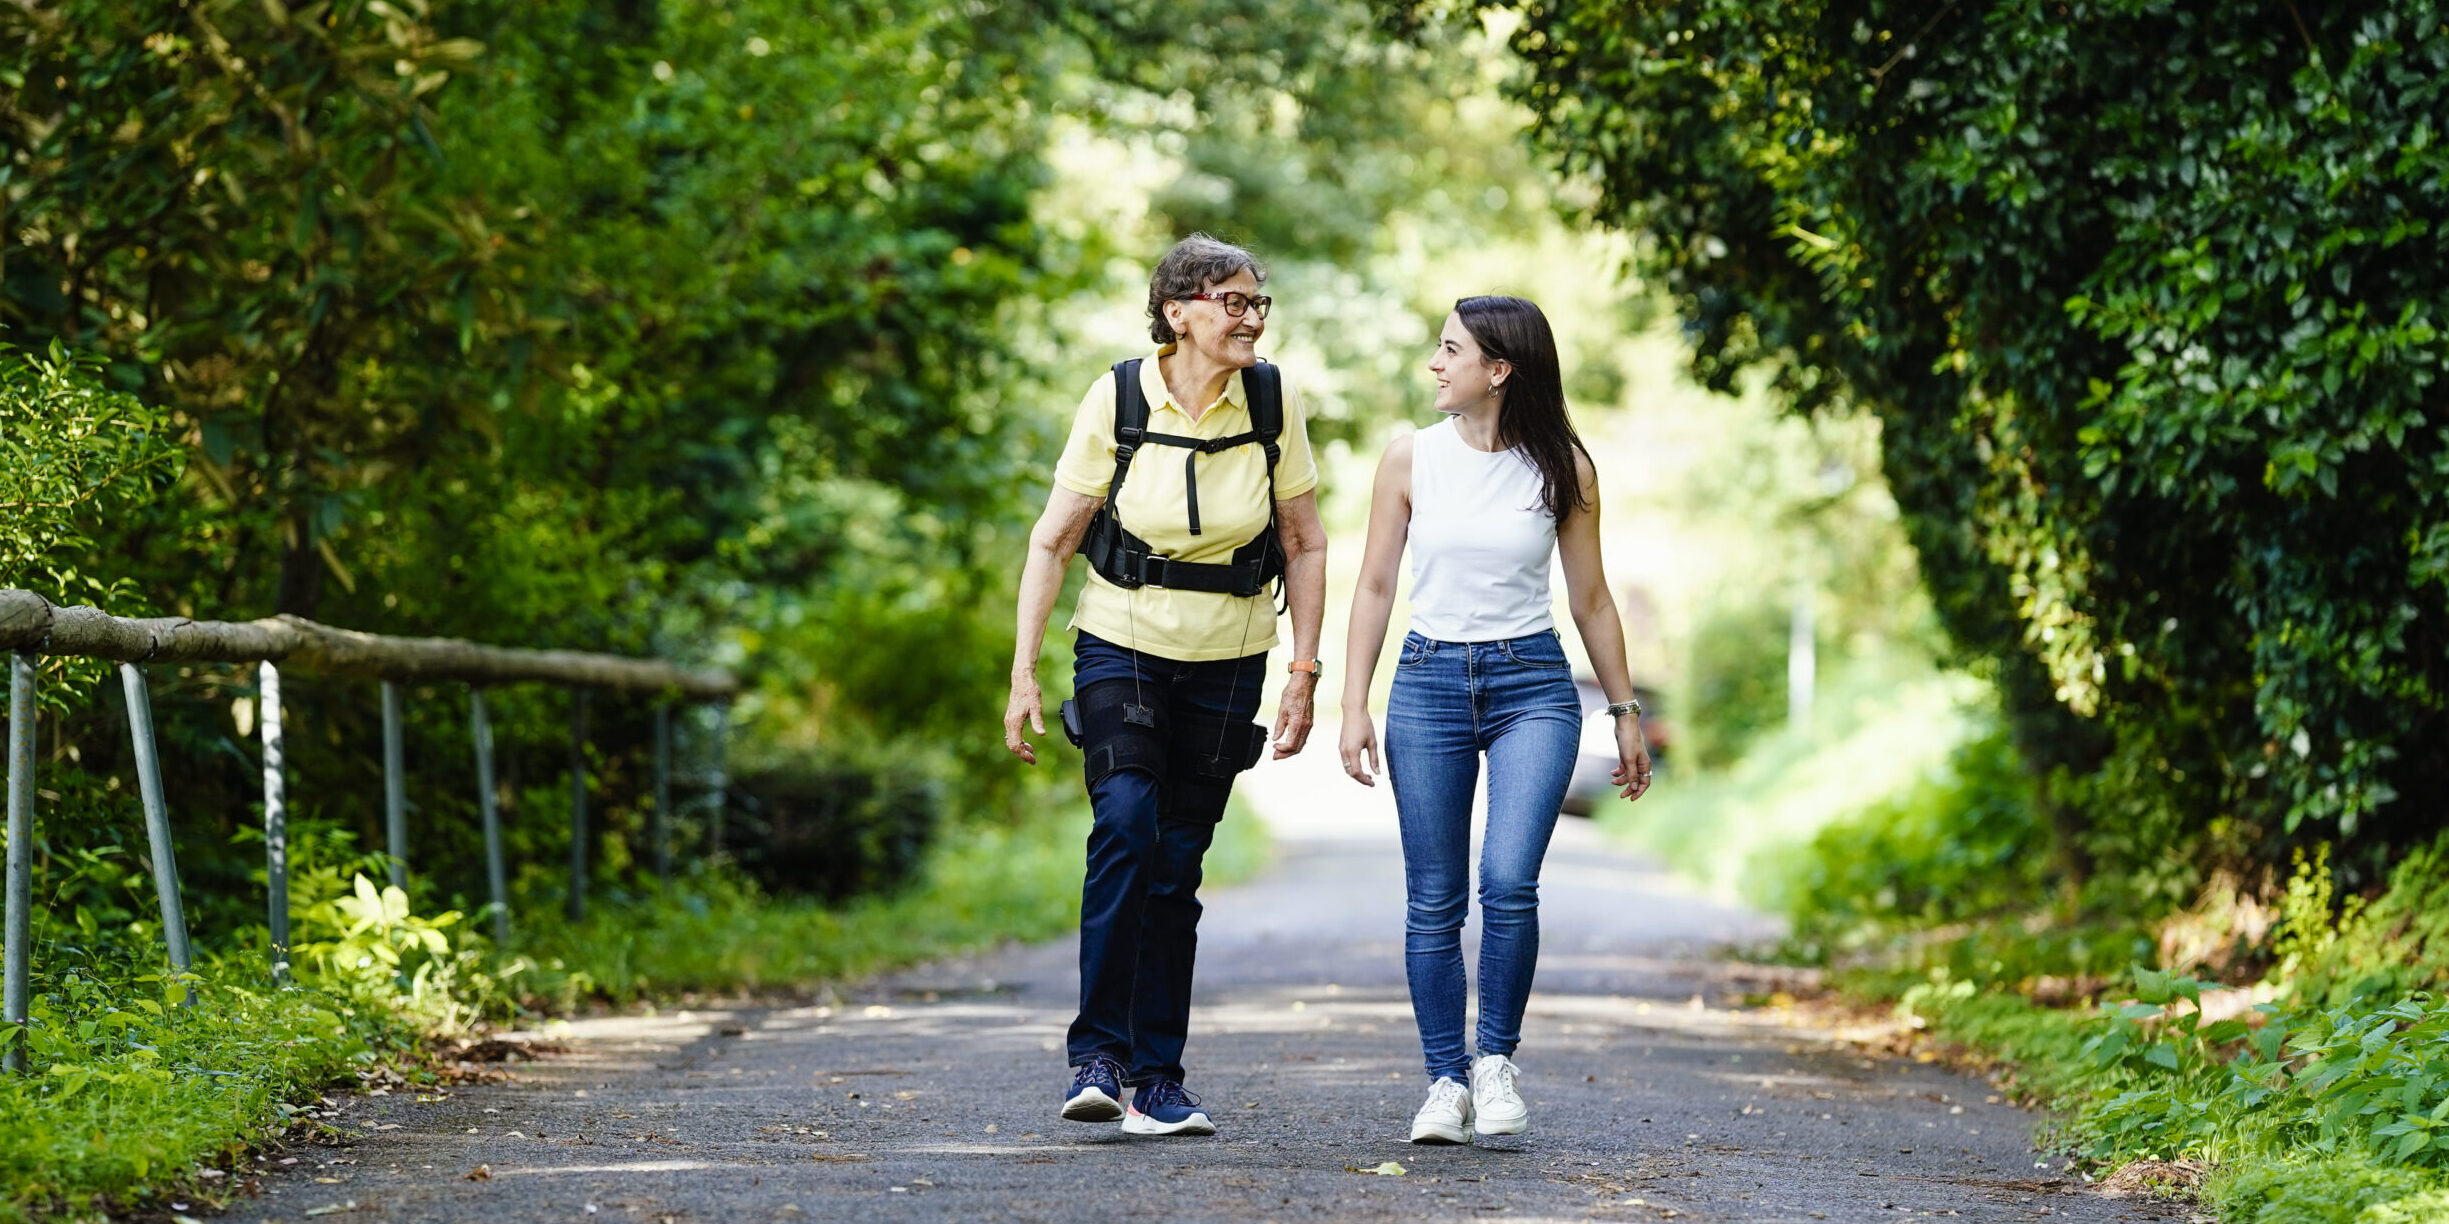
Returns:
point(1539, 650)
point(1416, 651)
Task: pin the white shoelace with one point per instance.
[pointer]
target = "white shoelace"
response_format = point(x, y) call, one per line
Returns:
point(1447, 1095)
point(1498, 1079)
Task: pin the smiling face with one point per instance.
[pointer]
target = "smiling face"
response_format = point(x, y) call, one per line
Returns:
point(1465, 376)
point(1204, 328)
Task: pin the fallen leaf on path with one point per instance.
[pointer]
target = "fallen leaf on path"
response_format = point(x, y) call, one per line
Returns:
point(482, 1172)
point(1388, 1169)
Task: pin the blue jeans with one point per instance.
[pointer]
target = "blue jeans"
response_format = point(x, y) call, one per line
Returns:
point(1515, 701)
point(1155, 814)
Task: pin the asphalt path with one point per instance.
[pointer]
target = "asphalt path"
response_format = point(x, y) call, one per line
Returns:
point(1662, 1085)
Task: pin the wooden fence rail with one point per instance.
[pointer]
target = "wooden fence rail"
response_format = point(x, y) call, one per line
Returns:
point(32, 626)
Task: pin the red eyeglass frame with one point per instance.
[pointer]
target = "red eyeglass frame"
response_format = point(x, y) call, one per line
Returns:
point(1225, 300)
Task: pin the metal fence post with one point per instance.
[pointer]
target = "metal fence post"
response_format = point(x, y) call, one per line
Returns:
point(577, 903)
point(716, 782)
point(157, 817)
point(395, 787)
point(276, 820)
point(20, 917)
point(481, 728)
point(661, 833)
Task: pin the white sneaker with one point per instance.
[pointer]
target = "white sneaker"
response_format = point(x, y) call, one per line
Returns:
point(1446, 1118)
point(1498, 1106)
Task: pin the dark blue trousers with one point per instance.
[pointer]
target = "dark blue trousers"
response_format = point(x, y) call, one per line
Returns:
point(1139, 903)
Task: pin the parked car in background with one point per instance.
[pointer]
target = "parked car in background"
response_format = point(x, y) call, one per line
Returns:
point(1593, 783)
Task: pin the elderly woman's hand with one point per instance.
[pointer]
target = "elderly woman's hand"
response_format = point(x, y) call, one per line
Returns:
point(1027, 705)
point(1296, 713)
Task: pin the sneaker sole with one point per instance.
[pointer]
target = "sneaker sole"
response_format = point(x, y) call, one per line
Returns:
point(1440, 1136)
point(1142, 1124)
point(1501, 1126)
point(1092, 1105)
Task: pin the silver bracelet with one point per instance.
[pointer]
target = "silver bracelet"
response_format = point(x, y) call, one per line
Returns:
point(1621, 708)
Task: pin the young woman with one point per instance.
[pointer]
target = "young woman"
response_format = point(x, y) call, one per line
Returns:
point(1484, 498)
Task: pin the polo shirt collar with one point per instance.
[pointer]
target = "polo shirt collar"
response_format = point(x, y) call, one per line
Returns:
point(1152, 384)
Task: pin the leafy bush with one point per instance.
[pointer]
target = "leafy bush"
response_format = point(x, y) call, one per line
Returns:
point(2358, 1093)
point(132, 1090)
point(2396, 943)
point(833, 824)
point(73, 453)
point(1737, 687)
point(2150, 317)
point(1963, 844)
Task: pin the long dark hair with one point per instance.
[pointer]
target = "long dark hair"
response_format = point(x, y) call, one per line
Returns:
point(1511, 330)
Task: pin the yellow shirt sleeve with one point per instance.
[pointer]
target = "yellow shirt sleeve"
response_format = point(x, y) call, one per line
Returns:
point(1087, 465)
point(1297, 468)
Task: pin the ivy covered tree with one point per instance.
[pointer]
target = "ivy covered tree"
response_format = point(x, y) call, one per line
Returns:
point(2146, 296)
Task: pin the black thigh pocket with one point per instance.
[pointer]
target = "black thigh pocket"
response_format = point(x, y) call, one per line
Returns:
point(1208, 753)
point(1120, 729)
point(1217, 748)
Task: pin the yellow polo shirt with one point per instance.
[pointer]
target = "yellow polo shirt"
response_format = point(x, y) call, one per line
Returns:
point(1192, 626)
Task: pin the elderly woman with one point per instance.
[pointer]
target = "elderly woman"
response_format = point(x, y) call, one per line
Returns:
point(1188, 483)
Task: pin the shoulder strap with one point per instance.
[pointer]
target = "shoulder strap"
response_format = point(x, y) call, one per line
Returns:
point(1263, 384)
point(1130, 423)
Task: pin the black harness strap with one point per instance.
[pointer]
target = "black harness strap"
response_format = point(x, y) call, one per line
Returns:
point(1126, 560)
point(1206, 446)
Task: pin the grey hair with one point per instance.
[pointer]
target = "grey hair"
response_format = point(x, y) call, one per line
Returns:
point(1190, 267)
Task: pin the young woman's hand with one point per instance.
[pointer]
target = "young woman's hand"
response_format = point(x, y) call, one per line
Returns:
point(1633, 751)
point(1360, 748)
point(1027, 705)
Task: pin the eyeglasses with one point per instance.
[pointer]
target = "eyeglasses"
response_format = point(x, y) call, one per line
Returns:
point(1234, 303)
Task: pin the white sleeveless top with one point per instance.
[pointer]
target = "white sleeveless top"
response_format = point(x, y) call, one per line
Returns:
point(1480, 541)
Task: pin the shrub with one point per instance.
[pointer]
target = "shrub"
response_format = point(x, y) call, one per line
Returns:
point(1960, 845)
point(834, 824)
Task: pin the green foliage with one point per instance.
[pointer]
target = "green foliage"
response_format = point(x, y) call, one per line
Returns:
point(1881, 722)
point(134, 1091)
point(73, 455)
point(376, 953)
point(2386, 947)
point(832, 826)
point(133, 1088)
point(1962, 845)
point(2355, 1096)
point(2148, 318)
point(1737, 684)
point(2326, 1190)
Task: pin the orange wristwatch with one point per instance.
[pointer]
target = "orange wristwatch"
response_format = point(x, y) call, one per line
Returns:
point(1311, 666)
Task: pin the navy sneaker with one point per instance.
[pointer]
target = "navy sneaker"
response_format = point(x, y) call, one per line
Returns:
point(1095, 1094)
point(1166, 1108)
